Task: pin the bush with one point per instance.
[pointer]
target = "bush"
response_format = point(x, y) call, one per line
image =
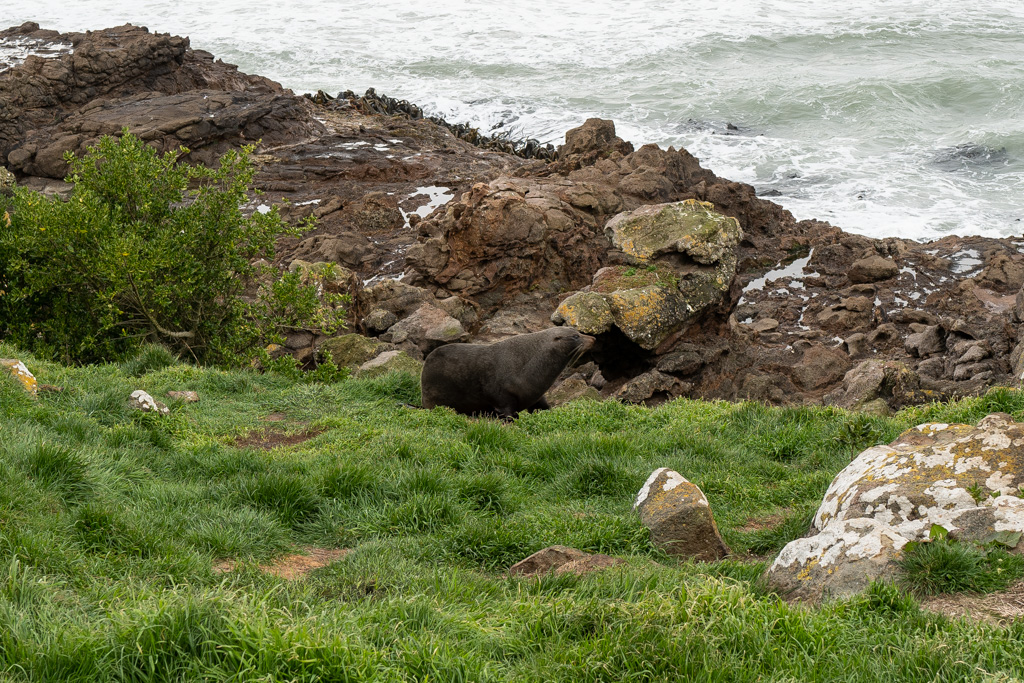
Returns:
point(145, 250)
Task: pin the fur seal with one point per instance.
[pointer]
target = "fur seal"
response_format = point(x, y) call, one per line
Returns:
point(503, 378)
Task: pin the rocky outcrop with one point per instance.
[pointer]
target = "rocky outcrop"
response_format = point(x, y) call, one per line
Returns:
point(686, 255)
point(154, 84)
point(679, 517)
point(413, 216)
point(966, 480)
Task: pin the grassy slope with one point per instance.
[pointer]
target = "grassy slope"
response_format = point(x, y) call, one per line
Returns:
point(111, 521)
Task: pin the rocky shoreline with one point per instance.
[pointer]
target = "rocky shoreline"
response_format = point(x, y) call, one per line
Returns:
point(439, 239)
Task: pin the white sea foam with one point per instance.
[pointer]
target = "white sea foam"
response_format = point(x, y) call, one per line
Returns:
point(883, 118)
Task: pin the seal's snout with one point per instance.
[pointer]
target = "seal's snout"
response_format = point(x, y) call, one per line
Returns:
point(587, 342)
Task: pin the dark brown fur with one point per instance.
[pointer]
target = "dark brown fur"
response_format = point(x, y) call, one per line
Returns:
point(503, 378)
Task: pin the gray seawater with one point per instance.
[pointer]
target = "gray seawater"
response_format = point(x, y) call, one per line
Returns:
point(885, 118)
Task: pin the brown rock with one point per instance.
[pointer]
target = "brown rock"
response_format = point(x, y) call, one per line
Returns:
point(820, 366)
point(561, 559)
point(572, 389)
point(929, 340)
point(594, 139)
point(679, 517)
point(874, 268)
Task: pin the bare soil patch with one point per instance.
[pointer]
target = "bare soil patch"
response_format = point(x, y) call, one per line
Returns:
point(997, 608)
point(271, 439)
point(294, 566)
point(759, 523)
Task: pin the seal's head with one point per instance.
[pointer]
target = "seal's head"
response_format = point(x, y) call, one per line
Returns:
point(569, 344)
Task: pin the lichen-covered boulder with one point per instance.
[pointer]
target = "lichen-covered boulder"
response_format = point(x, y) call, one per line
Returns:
point(679, 517)
point(352, 350)
point(141, 400)
point(390, 361)
point(684, 257)
point(964, 479)
point(690, 227)
point(588, 312)
point(649, 315)
point(19, 372)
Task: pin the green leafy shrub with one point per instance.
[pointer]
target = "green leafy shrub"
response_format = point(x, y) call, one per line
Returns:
point(147, 249)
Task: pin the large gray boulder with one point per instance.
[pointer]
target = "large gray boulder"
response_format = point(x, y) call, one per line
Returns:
point(964, 479)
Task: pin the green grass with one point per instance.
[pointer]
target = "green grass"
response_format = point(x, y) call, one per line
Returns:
point(945, 566)
point(111, 522)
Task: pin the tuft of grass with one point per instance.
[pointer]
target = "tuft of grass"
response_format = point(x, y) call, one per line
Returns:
point(58, 468)
point(286, 495)
point(949, 566)
point(150, 358)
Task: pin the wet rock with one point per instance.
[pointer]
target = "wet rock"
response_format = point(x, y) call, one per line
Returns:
point(16, 369)
point(679, 517)
point(934, 474)
point(560, 559)
point(1003, 272)
point(874, 268)
point(390, 361)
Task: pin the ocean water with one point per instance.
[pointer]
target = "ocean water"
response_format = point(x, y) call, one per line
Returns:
point(885, 118)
